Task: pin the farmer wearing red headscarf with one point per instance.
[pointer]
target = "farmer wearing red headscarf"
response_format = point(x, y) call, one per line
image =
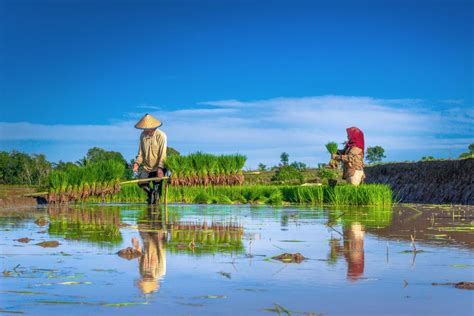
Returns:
point(352, 156)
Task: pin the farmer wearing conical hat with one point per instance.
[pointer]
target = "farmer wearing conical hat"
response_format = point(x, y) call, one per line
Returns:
point(352, 156)
point(151, 155)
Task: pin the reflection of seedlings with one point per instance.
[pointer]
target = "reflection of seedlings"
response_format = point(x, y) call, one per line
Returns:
point(24, 240)
point(290, 257)
point(48, 244)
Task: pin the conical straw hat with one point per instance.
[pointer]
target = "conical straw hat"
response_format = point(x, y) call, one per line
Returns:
point(147, 122)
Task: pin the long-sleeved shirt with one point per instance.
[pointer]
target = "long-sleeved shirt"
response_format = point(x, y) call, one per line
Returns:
point(152, 151)
point(353, 159)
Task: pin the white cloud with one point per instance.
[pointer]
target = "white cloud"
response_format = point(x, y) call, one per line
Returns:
point(262, 129)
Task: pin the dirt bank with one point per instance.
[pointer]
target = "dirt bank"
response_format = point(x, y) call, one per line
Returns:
point(13, 196)
point(437, 182)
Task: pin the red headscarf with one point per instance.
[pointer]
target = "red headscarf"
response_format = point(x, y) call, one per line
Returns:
point(356, 138)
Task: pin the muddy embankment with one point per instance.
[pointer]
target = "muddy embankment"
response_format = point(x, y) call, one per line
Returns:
point(14, 196)
point(436, 182)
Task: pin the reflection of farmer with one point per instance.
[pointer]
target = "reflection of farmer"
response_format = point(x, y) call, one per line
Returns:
point(352, 156)
point(152, 262)
point(354, 251)
point(151, 155)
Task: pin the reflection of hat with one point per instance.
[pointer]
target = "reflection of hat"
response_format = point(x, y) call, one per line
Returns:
point(148, 286)
point(148, 122)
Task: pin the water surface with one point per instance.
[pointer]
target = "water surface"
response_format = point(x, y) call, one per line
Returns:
point(214, 260)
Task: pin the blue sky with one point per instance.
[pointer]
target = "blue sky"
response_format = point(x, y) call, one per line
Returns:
point(255, 77)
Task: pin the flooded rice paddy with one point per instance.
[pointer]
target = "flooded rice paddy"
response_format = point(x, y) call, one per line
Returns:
point(214, 260)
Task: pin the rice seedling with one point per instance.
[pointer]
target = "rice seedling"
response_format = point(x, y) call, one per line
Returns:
point(80, 182)
point(368, 194)
point(332, 149)
point(206, 169)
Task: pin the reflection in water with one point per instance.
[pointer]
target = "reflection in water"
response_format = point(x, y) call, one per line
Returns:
point(352, 249)
point(201, 238)
point(152, 262)
point(94, 224)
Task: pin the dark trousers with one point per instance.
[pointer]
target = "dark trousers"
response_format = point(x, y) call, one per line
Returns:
point(153, 191)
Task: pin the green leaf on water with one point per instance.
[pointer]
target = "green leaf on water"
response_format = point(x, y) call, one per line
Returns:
point(23, 292)
point(461, 266)
point(124, 304)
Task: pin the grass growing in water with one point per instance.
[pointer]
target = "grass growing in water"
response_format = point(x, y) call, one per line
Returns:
point(366, 194)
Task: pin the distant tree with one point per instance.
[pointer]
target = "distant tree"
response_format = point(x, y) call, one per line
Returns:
point(170, 151)
point(425, 158)
point(375, 154)
point(20, 168)
point(65, 166)
point(288, 174)
point(262, 167)
point(284, 158)
point(301, 166)
point(82, 162)
point(469, 154)
point(42, 167)
point(97, 154)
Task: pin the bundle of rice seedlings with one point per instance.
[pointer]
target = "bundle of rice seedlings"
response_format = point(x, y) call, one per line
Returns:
point(332, 149)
